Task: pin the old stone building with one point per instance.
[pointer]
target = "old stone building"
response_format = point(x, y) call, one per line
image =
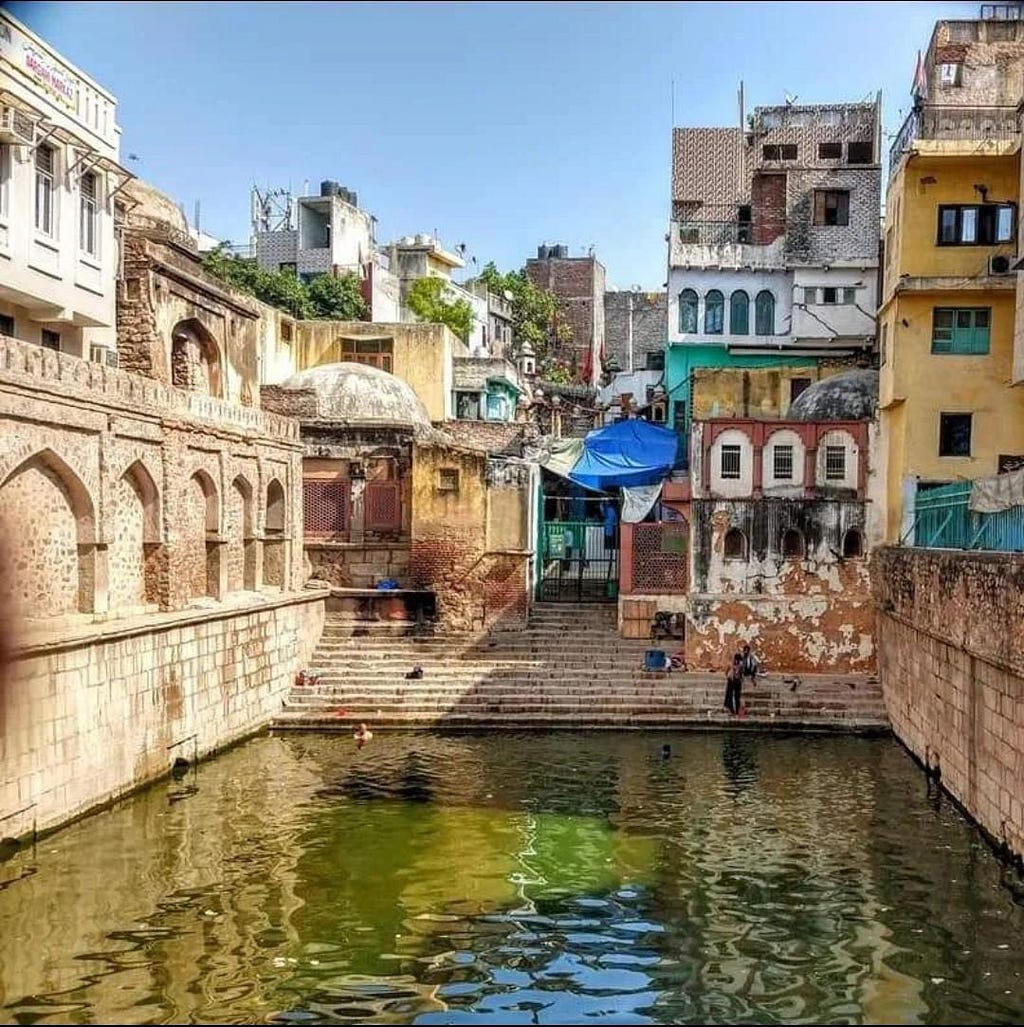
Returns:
point(387, 496)
point(635, 330)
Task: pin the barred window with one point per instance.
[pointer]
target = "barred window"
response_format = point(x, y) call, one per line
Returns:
point(730, 462)
point(383, 506)
point(783, 463)
point(325, 507)
point(835, 463)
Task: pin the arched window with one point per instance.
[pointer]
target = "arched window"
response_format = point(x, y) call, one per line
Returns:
point(714, 313)
point(764, 313)
point(739, 313)
point(853, 544)
point(735, 544)
point(793, 544)
point(687, 311)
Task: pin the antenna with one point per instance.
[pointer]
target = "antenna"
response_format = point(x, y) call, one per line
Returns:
point(196, 218)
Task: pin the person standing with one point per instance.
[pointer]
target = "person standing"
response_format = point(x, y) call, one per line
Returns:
point(734, 685)
point(751, 667)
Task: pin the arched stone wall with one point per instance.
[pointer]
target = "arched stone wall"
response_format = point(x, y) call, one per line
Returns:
point(195, 359)
point(240, 536)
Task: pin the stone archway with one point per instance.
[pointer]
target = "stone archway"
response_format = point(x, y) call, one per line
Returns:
point(195, 359)
point(51, 526)
point(133, 562)
point(240, 536)
point(200, 536)
point(274, 542)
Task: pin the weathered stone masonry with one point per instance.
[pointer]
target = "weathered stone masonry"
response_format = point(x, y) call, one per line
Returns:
point(950, 626)
point(151, 577)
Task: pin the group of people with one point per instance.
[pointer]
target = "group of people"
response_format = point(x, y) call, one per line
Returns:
point(744, 665)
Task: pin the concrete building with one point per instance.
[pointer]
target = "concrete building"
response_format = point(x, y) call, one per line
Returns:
point(579, 284)
point(60, 179)
point(773, 242)
point(635, 328)
point(498, 332)
point(951, 317)
point(486, 389)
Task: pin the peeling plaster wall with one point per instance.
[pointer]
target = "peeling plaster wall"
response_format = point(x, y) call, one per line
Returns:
point(949, 631)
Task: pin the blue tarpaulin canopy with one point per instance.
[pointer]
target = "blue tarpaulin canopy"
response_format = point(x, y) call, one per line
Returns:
point(624, 455)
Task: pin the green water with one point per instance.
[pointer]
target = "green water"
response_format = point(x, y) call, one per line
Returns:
point(507, 878)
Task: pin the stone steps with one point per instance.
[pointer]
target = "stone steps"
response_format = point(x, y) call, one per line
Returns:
point(568, 668)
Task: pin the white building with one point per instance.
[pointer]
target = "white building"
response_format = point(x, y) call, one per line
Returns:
point(59, 179)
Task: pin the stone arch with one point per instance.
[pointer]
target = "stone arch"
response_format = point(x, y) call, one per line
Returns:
point(195, 359)
point(200, 527)
point(853, 544)
point(240, 535)
point(50, 524)
point(134, 538)
point(793, 545)
point(735, 545)
point(274, 545)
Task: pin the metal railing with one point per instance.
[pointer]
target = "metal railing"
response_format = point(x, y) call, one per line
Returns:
point(933, 121)
point(943, 519)
point(715, 233)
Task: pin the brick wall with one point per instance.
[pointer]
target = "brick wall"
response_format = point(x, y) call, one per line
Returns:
point(952, 669)
point(648, 312)
point(88, 719)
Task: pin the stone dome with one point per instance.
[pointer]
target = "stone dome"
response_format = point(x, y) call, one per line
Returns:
point(849, 396)
point(356, 394)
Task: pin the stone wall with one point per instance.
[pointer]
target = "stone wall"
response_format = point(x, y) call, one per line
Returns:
point(950, 626)
point(95, 715)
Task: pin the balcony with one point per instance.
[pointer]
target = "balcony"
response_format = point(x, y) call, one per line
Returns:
point(955, 123)
point(727, 244)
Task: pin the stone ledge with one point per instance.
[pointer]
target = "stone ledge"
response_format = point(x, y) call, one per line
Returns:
point(78, 636)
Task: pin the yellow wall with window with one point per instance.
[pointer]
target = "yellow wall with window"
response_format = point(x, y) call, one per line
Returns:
point(918, 385)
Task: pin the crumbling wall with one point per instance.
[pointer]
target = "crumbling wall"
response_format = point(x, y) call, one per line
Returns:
point(950, 626)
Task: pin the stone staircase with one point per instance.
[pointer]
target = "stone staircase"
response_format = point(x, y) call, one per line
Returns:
point(568, 669)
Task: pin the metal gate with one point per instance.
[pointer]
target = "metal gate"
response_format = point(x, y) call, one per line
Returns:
point(578, 562)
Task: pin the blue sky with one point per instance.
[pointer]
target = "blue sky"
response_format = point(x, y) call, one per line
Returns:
point(498, 125)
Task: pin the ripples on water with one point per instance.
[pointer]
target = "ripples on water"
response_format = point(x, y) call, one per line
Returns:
point(549, 879)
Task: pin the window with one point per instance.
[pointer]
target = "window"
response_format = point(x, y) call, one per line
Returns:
point(88, 214)
point(955, 434)
point(793, 544)
point(735, 545)
point(831, 207)
point(830, 151)
point(961, 330)
point(655, 360)
point(951, 74)
point(785, 151)
point(44, 190)
point(830, 294)
point(974, 224)
point(448, 479)
point(731, 462)
point(497, 407)
point(5, 177)
point(467, 406)
point(782, 463)
point(797, 386)
point(50, 340)
point(287, 331)
point(835, 463)
point(679, 416)
point(373, 352)
point(853, 544)
point(860, 153)
point(325, 507)
point(739, 313)
point(7, 325)
point(687, 311)
point(764, 313)
point(714, 313)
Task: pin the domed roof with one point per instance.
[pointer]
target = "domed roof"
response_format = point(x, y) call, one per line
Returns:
point(849, 396)
point(360, 395)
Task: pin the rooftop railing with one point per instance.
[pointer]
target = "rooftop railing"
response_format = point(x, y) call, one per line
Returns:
point(945, 122)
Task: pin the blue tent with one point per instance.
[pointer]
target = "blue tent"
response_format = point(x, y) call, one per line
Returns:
point(624, 455)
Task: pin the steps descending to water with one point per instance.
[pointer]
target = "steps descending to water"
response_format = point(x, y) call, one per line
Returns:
point(568, 668)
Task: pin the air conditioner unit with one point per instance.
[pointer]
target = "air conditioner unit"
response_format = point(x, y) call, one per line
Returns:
point(1000, 264)
point(16, 127)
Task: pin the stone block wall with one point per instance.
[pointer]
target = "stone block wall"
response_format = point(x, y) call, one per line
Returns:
point(91, 717)
point(950, 626)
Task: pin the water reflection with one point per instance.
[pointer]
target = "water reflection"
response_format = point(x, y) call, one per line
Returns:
point(514, 879)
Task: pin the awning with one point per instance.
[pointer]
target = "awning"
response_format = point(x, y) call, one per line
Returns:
point(626, 454)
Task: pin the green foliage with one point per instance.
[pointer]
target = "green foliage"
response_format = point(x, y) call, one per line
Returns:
point(536, 313)
point(430, 299)
point(337, 298)
point(557, 371)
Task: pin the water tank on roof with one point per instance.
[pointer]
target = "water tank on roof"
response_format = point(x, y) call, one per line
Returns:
point(422, 239)
point(329, 188)
point(559, 252)
point(542, 252)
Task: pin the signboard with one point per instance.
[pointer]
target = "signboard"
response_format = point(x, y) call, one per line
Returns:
point(556, 543)
point(42, 68)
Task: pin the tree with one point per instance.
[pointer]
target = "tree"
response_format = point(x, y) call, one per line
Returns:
point(536, 313)
point(336, 298)
point(431, 299)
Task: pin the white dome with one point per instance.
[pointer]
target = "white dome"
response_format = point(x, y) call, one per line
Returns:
point(360, 395)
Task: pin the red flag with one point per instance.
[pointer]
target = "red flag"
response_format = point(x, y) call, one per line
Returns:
point(920, 86)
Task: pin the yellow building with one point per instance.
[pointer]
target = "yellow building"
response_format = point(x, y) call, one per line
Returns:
point(948, 405)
